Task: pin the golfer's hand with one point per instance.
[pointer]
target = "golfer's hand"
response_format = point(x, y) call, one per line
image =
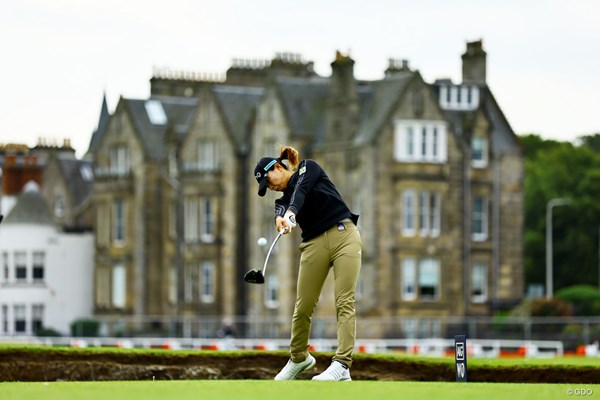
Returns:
point(290, 220)
point(280, 224)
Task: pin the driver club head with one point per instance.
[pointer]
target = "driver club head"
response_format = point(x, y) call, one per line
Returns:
point(254, 276)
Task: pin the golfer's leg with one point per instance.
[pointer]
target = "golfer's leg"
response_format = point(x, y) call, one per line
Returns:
point(346, 267)
point(314, 266)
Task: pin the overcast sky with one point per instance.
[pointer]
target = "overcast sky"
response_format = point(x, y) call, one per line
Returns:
point(58, 57)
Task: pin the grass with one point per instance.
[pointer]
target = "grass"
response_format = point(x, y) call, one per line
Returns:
point(301, 390)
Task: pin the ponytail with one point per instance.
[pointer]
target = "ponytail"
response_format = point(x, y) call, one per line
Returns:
point(291, 154)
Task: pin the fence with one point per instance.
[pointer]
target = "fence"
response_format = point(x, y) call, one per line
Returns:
point(573, 332)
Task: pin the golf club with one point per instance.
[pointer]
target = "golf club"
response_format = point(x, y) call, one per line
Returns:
point(256, 276)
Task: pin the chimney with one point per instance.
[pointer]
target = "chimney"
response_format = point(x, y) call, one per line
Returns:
point(474, 63)
point(343, 107)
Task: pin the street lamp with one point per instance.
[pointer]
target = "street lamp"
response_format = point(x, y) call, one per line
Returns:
point(551, 204)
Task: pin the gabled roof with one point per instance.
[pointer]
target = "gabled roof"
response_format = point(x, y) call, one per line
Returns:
point(383, 99)
point(304, 102)
point(502, 136)
point(237, 105)
point(30, 208)
point(179, 112)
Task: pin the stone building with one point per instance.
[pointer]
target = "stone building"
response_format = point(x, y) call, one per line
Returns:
point(434, 170)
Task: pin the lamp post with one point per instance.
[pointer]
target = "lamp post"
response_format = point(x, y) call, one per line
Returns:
point(551, 204)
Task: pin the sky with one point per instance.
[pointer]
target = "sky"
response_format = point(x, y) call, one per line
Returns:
point(60, 57)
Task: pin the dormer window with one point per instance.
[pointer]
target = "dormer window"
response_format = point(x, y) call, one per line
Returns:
point(459, 97)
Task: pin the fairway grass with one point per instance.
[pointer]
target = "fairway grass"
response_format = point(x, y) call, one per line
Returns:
point(291, 390)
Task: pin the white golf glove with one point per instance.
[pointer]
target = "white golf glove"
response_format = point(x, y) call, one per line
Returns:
point(290, 220)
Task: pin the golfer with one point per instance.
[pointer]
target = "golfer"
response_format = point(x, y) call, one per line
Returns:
point(330, 239)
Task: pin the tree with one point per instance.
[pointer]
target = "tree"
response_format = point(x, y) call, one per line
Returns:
point(560, 169)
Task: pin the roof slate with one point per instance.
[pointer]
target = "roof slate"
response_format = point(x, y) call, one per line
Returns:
point(237, 106)
point(30, 208)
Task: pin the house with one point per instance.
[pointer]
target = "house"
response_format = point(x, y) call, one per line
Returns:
point(434, 169)
point(46, 279)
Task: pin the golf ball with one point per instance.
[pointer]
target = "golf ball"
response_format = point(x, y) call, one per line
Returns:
point(262, 241)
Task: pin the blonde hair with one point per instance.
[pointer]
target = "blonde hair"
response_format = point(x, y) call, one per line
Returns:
point(291, 154)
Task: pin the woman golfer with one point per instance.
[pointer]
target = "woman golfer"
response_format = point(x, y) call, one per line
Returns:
point(330, 239)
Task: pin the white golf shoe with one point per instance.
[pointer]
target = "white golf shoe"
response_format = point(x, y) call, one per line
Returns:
point(292, 369)
point(335, 372)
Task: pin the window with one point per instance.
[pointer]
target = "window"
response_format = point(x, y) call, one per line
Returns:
point(420, 141)
point(429, 278)
point(479, 219)
point(38, 266)
point(271, 294)
point(5, 266)
point(4, 318)
point(207, 155)
point(19, 314)
point(208, 223)
point(479, 150)
point(409, 279)
point(120, 163)
point(156, 112)
point(59, 205)
point(408, 213)
point(37, 317)
point(424, 210)
point(199, 222)
point(479, 282)
point(119, 286)
point(188, 284)
point(173, 280)
point(410, 142)
point(20, 266)
point(119, 222)
point(457, 97)
point(191, 219)
point(207, 282)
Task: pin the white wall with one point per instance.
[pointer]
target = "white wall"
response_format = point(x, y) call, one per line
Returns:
point(67, 288)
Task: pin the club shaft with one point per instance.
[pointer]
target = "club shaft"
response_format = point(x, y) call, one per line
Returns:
point(264, 270)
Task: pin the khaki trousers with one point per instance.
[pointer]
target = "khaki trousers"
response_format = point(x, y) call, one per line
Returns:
point(339, 247)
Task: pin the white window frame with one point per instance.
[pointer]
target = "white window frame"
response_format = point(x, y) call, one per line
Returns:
point(422, 141)
point(207, 282)
point(118, 296)
point(479, 282)
point(37, 315)
point(119, 225)
point(479, 156)
point(5, 319)
point(428, 269)
point(38, 261)
point(20, 314)
point(409, 279)
point(20, 260)
point(424, 210)
point(119, 160)
point(207, 155)
point(482, 216)
point(191, 220)
point(207, 223)
point(409, 212)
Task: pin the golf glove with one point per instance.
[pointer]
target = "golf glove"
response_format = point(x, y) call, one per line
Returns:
point(290, 220)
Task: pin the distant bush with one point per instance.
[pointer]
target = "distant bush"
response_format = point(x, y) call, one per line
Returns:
point(85, 328)
point(584, 299)
point(47, 332)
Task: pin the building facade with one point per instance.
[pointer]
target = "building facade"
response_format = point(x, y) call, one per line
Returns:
point(434, 170)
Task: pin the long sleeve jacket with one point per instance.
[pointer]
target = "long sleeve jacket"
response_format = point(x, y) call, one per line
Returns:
point(314, 199)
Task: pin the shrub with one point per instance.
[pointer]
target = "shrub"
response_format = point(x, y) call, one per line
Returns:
point(85, 328)
point(584, 299)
